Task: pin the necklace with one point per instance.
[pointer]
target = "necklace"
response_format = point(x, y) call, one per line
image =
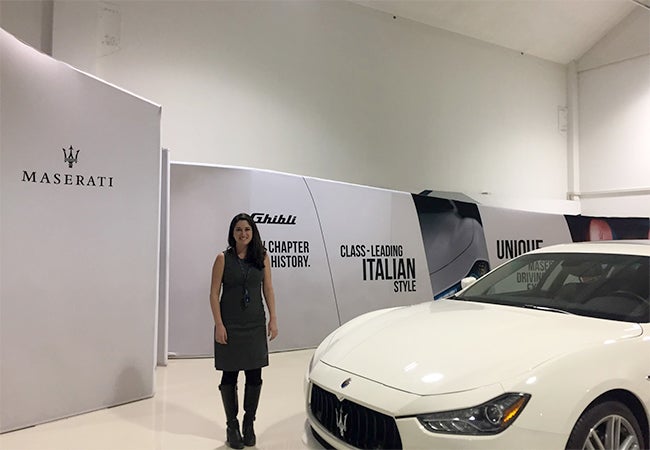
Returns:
point(246, 299)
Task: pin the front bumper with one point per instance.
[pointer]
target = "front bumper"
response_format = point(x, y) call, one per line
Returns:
point(401, 408)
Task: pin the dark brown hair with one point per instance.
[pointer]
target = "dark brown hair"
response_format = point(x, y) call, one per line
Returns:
point(255, 252)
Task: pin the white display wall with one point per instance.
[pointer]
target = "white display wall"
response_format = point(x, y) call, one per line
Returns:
point(510, 233)
point(80, 188)
point(337, 250)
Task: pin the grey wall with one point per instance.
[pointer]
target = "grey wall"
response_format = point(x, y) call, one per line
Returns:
point(30, 21)
point(614, 136)
point(334, 90)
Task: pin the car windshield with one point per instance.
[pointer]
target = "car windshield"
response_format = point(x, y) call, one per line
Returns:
point(605, 286)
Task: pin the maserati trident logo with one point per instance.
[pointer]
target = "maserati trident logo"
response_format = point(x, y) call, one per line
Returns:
point(341, 420)
point(69, 158)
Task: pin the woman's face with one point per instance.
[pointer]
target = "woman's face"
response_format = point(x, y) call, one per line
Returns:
point(243, 233)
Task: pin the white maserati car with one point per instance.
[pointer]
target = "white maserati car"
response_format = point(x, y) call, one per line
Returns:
point(549, 351)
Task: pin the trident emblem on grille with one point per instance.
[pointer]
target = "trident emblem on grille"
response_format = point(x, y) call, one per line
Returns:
point(69, 158)
point(341, 420)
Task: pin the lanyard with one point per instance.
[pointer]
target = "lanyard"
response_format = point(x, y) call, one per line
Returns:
point(246, 299)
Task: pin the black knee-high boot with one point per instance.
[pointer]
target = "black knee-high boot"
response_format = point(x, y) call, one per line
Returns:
point(251, 400)
point(231, 407)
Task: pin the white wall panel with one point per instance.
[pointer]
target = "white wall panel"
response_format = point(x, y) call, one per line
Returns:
point(510, 233)
point(374, 244)
point(203, 200)
point(79, 259)
point(162, 331)
point(324, 260)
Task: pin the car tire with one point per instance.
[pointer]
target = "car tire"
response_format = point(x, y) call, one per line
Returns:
point(609, 425)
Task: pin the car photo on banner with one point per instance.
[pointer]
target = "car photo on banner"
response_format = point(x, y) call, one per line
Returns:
point(454, 242)
point(550, 350)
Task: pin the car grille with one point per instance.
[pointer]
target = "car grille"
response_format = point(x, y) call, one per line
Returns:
point(352, 423)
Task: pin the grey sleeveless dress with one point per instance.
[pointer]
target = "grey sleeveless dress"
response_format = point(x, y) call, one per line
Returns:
point(246, 326)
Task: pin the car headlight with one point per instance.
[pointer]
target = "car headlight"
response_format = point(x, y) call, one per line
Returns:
point(491, 417)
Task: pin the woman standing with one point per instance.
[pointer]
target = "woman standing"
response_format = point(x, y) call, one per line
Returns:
point(241, 274)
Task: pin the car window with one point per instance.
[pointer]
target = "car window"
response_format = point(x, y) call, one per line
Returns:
point(606, 286)
point(524, 278)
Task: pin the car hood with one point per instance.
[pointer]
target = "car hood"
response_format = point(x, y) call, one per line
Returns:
point(449, 346)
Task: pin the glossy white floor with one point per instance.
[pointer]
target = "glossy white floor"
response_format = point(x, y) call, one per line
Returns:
point(185, 414)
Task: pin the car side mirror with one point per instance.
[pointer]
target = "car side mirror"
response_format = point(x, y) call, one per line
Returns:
point(468, 281)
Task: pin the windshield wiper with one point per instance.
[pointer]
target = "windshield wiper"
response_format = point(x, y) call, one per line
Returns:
point(546, 308)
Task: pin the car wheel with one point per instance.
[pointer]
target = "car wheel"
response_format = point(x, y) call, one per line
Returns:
point(609, 425)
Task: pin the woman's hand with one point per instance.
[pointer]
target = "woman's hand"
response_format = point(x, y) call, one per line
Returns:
point(273, 328)
point(220, 335)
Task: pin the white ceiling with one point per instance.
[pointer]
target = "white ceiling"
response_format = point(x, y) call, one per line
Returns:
point(555, 30)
